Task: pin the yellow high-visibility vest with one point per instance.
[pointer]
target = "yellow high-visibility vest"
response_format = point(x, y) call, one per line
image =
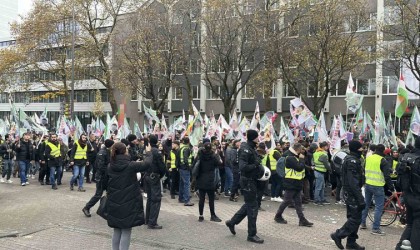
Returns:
point(373, 173)
point(319, 166)
point(55, 151)
point(173, 160)
point(273, 161)
point(181, 155)
point(394, 167)
point(293, 174)
point(80, 152)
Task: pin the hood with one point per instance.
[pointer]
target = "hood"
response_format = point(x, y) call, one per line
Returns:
point(120, 163)
point(206, 155)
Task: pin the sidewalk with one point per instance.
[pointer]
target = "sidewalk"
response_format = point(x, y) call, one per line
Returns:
point(37, 217)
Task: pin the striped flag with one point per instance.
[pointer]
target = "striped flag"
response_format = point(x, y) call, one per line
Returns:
point(402, 98)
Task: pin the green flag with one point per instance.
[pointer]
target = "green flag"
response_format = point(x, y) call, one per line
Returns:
point(402, 98)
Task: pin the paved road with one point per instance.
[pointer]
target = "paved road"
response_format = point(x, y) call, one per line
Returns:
point(36, 217)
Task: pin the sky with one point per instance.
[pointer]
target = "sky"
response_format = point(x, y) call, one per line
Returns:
point(10, 11)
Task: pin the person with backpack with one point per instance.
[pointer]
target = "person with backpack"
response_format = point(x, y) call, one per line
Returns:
point(408, 170)
point(293, 184)
point(352, 178)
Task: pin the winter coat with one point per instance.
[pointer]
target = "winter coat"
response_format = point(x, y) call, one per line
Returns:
point(53, 161)
point(101, 164)
point(125, 202)
point(25, 151)
point(3, 151)
point(209, 161)
point(91, 154)
point(293, 162)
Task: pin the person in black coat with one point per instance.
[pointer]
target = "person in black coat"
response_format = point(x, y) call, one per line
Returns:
point(205, 179)
point(125, 202)
point(101, 177)
point(24, 154)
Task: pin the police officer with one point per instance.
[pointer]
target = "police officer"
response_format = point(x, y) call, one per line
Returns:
point(153, 187)
point(101, 175)
point(352, 180)
point(251, 169)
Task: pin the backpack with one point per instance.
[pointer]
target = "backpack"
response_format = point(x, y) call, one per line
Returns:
point(281, 167)
point(409, 173)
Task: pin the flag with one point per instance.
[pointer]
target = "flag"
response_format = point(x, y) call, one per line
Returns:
point(256, 118)
point(121, 114)
point(301, 115)
point(321, 129)
point(335, 145)
point(402, 98)
point(151, 114)
point(415, 122)
point(137, 130)
point(354, 100)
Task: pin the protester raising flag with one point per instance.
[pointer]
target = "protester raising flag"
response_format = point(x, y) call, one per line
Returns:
point(354, 101)
point(256, 118)
point(402, 98)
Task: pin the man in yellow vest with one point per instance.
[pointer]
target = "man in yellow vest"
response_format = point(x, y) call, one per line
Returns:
point(377, 176)
point(173, 170)
point(322, 165)
point(293, 184)
point(395, 156)
point(185, 166)
point(273, 156)
point(78, 160)
point(54, 159)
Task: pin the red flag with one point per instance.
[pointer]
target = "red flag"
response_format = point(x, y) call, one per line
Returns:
point(121, 115)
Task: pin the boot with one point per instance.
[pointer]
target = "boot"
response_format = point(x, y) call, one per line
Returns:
point(337, 241)
point(86, 212)
point(81, 189)
point(280, 220)
point(255, 239)
point(231, 227)
point(154, 226)
point(305, 223)
point(354, 246)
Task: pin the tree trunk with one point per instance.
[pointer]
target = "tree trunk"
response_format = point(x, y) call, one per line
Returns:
point(227, 107)
point(112, 101)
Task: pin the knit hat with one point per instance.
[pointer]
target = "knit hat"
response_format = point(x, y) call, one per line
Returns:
point(205, 140)
point(109, 143)
point(251, 134)
point(125, 141)
point(354, 146)
point(131, 137)
point(153, 139)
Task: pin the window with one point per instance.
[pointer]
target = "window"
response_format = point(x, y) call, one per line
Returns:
point(391, 15)
point(177, 18)
point(196, 39)
point(195, 66)
point(250, 63)
point(176, 93)
point(162, 92)
point(272, 90)
point(211, 93)
point(312, 89)
point(350, 24)
point(196, 92)
point(339, 88)
point(393, 49)
point(249, 91)
point(390, 85)
point(369, 54)
point(134, 95)
point(249, 7)
point(272, 4)
point(288, 91)
point(366, 86)
point(193, 15)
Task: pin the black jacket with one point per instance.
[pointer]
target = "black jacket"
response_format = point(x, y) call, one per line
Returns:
point(101, 165)
point(134, 152)
point(293, 162)
point(53, 161)
point(249, 162)
point(352, 179)
point(3, 151)
point(91, 154)
point(25, 151)
point(209, 161)
point(158, 165)
point(125, 202)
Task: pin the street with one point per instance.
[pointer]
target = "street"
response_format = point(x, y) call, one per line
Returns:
point(37, 217)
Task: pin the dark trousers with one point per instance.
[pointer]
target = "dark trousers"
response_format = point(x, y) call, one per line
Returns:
point(338, 188)
point(93, 173)
point(290, 197)
point(411, 231)
point(276, 185)
point(174, 174)
point(96, 197)
point(311, 179)
point(87, 172)
point(202, 195)
point(44, 172)
point(261, 186)
point(154, 197)
point(250, 208)
point(235, 184)
point(351, 227)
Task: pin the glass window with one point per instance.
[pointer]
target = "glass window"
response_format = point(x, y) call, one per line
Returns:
point(249, 91)
point(104, 95)
point(289, 91)
point(390, 85)
point(213, 94)
point(196, 92)
point(363, 86)
point(311, 88)
point(177, 93)
point(341, 87)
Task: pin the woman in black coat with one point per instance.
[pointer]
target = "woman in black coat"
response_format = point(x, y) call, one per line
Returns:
point(205, 176)
point(125, 203)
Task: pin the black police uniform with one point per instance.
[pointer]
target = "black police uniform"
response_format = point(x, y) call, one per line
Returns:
point(251, 170)
point(153, 188)
point(352, 180)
